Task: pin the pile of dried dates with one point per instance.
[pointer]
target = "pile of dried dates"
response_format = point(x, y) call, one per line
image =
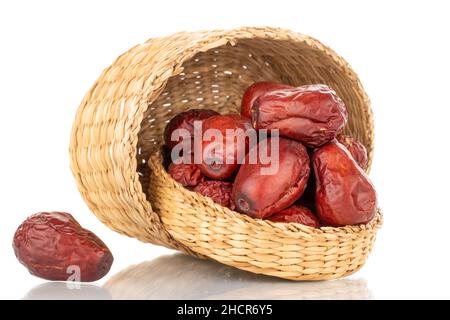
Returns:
point(284, 158)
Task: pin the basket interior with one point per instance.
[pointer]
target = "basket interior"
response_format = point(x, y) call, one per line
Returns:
point(217, 78)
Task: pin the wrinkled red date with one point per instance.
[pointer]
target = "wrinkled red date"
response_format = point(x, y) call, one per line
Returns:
point(356, 149)
point(186, 174)
point(254, 91)
point(261, 195)
point(296, 214)
point(311, 114)
point(218, 191)
point(185, 120)
point(53, 246)
point(221, 157)
point(344, 193)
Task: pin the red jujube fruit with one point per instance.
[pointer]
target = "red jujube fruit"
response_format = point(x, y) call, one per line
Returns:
point(311, 114)
point(296, 214)
point(260, 194)
point(218, 191)
point(344, 193)
point(53, 245)
point(185, 120)
point(356, 149)
point(186, 174)
point(254, 91)
point(222, 155)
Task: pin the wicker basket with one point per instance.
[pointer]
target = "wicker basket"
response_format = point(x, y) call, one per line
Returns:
point(117, 136)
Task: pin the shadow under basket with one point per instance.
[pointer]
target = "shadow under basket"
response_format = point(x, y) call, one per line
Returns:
point(117, 136)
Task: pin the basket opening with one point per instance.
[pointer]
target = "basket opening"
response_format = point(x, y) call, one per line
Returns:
point(216, 79)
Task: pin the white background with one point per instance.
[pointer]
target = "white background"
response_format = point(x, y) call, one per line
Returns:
point(51, 52)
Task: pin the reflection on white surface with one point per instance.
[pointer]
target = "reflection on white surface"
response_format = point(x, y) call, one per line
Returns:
point(67, 291)
point(182, 277)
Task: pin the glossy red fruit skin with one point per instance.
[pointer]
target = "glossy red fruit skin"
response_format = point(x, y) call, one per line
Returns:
point(260, 196)
point(344, 193)
point(254, 91)
point(311, 114)
point(356, 149)
point(296, 214)
point(185, 120)
point(186, 174)
point(48, 243)
point(218, 191)
point(220, 170)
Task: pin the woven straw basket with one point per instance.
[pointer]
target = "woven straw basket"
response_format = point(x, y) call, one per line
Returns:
point(117, 136)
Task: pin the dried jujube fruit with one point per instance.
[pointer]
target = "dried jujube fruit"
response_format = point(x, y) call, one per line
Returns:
point(221, 155)
point(254, 91)
point(52, 245)
point(218, 191)
point(310, 119)
point(296, 214)
point(356, 149)
point(344, 193)
point(185, 120)
point(189, 175)
point(261, 194)
point(311, 114)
